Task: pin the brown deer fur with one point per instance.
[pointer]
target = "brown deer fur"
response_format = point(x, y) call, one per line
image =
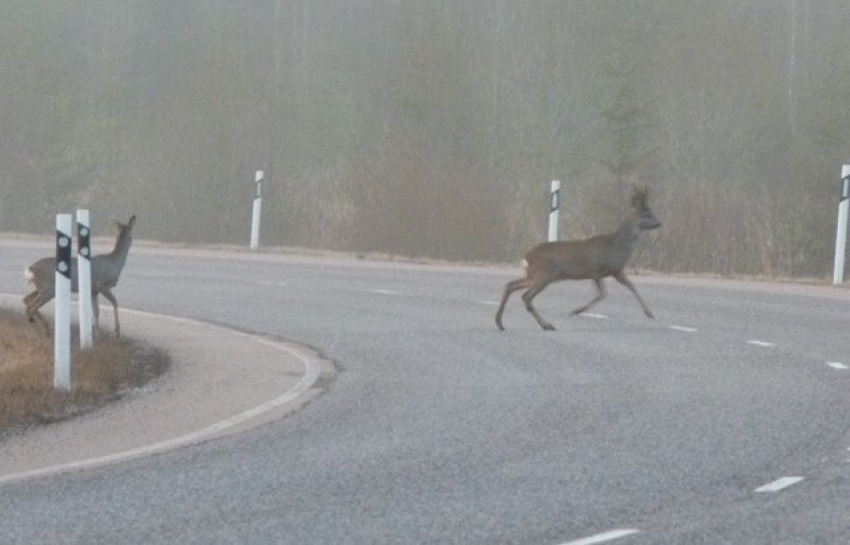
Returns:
point(593, 259)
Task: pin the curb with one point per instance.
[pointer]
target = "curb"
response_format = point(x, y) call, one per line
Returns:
point(221, 382)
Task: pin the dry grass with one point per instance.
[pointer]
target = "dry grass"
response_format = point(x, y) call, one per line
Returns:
point(27, 397)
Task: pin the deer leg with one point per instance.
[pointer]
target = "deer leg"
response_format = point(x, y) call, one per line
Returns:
point(624, 280)
point(510, 287)
point(600, 294)
point(30, 297)
point(531, 294)
point(41, 319)
point(35, 301)
point(95, 309)
point(108, 294)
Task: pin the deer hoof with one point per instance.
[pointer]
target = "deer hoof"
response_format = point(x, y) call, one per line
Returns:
point(548, 327)
point(650, 315)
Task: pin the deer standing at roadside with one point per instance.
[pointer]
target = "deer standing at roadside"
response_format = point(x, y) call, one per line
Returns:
point(105, 271)
point(590, 259)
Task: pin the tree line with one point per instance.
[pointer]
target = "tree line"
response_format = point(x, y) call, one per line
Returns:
point(433, 129)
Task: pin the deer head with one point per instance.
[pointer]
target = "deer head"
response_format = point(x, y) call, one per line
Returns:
point(639, 206)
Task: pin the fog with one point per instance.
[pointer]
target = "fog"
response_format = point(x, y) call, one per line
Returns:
point(433, 128)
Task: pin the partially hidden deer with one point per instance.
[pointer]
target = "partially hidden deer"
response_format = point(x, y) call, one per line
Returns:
point(594, 259)
point(105, 272)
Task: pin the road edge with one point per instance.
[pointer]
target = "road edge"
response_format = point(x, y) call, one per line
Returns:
point(314, 366)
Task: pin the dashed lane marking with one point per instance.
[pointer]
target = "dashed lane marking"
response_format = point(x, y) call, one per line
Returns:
point(779, 484)
point(384, 292)
point(271, 283)
point(763, 344)
point(603, 537)
point(595, 316)
point(837, 365)
point(683, 328)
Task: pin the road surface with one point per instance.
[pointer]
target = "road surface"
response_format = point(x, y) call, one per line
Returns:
point(724, 420)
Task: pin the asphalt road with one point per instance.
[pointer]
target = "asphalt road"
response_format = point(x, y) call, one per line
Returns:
point(724, 420)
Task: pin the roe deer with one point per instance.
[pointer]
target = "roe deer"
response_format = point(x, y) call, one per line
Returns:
point(105, 271)
point(593, 259)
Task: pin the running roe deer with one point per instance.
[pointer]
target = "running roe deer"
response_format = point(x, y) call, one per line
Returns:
point(593, 259)
point(105, 271)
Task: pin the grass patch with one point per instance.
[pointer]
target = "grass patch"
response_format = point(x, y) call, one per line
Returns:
point(100, 375)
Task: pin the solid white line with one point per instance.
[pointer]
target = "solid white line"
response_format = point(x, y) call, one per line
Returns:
point(761, 343)
point(837, 365)
point(683, 328)
point(779, 484)
point(384, 292)
point(603, 537)
point(311, 375)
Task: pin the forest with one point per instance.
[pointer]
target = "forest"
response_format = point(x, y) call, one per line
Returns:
point(433, 128)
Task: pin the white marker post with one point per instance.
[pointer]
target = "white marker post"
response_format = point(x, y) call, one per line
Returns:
point(84, 277)
point(554, 206)
point(62, 315)
point(841, 229)
point(255, 217)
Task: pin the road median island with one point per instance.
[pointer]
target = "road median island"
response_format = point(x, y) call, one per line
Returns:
point(220, 381)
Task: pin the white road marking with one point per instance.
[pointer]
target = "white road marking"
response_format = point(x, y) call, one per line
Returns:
point(779, 484)
point(596, 316)
point(603, 537)
point(683, 328)
point(270, 283)
point(384, 292)
point(493, 303)
point(307, 380)
point(763, 344)
point(837, 365)
point(155, 275)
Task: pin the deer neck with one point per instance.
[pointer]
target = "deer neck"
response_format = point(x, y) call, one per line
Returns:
point(121, 249)
point(626, 236)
